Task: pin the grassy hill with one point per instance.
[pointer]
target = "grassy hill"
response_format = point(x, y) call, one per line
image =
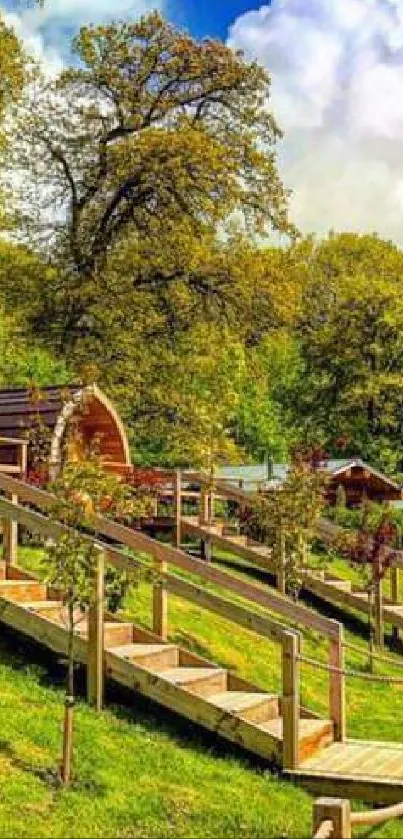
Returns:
point(144, 773)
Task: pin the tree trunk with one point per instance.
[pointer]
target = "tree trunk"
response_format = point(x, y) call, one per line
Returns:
point(68, 703)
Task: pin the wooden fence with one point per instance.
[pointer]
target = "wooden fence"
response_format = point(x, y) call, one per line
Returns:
point(14, 512)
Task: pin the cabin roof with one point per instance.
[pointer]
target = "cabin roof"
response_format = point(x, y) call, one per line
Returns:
point(258, 472)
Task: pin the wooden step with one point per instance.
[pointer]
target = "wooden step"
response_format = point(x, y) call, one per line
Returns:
point(47, 608)
point(313, 734)
point(56, 611)
point(238, 539)
point(255, 707)
point(22, 590)
point(156, 657)
point(343, 585)
point(203, 681)
point(230, 530)
point(115, 634)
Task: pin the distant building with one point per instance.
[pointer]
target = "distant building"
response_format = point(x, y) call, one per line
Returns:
point(359, 479)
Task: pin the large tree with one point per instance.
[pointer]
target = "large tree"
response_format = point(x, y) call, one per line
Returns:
point(151, 128)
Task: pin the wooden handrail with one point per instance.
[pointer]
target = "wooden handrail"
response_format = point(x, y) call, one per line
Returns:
point(137, 540)
point(241, 615)
point(163, 555)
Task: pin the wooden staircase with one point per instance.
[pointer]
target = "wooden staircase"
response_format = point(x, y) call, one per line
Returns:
point(166, 673)
point(323, 584)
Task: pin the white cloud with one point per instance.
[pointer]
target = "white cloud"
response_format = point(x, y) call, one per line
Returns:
point(337, 71)
point(46, 31)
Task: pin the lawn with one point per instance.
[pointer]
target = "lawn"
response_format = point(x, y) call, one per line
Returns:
point(142, 772)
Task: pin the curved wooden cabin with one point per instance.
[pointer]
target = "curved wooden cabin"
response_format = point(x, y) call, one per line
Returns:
point(59, 409)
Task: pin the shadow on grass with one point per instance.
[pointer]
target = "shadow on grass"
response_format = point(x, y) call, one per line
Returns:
point(46, 774)
point(49, 775)
point(22, 654)
point(137, 709)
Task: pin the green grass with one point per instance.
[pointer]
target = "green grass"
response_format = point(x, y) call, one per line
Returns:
point(141, 772)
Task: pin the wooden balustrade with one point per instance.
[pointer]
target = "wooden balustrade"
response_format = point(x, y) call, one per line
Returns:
point(165, 582)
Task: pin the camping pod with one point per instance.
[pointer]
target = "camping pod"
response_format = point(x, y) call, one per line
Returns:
point(58, 410)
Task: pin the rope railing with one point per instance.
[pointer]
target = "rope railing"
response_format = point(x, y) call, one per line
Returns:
point(324, 831)
point(342, 671)
point(333, 817)
point(376, 656)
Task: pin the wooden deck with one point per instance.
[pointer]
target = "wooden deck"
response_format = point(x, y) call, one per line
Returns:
point(364, 770)
point(324, 585)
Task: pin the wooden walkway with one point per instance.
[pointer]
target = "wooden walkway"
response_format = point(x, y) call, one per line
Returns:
point(367, 771)
point(274, 726)
point(324, 585)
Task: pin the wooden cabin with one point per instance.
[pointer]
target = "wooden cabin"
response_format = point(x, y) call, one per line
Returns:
point(59, 408)
point(359, 480)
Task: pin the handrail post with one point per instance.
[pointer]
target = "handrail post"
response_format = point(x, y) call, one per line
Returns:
point(290, 700)
point(10, 537)
point(160, 600)
point(95, 661)
point(395, 594)
point(379, 628)
point(337, 686)
point(334, 810)
point(204, 516)
point(177, 507)
point(281, 560)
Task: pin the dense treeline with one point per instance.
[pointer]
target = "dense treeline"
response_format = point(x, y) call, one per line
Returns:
point(145, 189)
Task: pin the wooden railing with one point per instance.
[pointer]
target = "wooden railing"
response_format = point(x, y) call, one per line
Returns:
point(333, 817)
point(13, 512)
point(328, 531)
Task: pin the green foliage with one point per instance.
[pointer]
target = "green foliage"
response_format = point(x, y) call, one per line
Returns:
point(263, 423)
point(24, 361)
point(285, 518)
point(351, 337)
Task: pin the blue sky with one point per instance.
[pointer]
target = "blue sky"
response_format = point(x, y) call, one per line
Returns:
point(206, 18)
point(337, 90)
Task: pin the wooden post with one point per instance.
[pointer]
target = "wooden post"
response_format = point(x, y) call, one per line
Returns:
point(205, 549)
point(334, 810)
point(281, 560)
point(395, 594)
point(379, 628)
point(160, 600)
point(290, 700)
point(95, 662)
point(10, 537)
point(204, 506)
point(177, 507)
point(211, 499)
point(337, 686)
